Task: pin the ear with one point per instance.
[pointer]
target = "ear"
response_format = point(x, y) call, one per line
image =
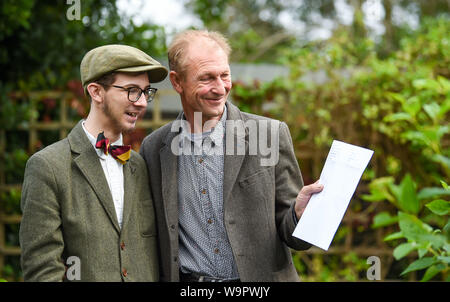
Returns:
point(176, 79)
point(96, 92)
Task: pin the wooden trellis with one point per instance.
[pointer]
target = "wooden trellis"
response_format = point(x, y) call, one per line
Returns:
point(64, 124)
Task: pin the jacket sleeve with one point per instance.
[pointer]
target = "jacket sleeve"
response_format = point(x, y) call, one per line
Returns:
point(288, 181)
point(40, 234)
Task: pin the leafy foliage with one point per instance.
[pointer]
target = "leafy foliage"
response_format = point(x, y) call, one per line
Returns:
point(41, 50)
point(396, 105)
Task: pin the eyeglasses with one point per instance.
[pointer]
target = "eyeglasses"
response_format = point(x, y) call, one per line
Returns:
point(134, 93)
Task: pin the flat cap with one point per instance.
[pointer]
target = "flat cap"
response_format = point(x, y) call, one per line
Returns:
point(119, 58)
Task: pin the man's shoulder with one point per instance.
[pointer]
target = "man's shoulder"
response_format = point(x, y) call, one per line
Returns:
point(158, 135)
point(252, 116)
point(249, 116)
point(54, 151)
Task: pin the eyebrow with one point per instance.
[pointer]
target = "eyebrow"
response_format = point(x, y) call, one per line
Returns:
point(136, 85)
point(213, 73)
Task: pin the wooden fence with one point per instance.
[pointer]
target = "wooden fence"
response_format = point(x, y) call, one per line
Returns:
point(63, 125)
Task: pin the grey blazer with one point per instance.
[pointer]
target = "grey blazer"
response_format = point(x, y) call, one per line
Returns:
point(68, 211)
point(258, 203)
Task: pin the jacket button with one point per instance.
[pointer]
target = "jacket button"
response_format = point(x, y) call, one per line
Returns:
point(122, 245)
point(124, 272)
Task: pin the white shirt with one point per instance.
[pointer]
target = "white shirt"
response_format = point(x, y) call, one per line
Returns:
point(113, 172)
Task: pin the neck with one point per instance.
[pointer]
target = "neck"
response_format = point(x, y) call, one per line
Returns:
point(94, 125)
point(200, 123)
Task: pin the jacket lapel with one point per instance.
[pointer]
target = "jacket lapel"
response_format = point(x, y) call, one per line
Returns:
point(89, 164)
point(233, 162)
point(169, 179)
point(129, 199)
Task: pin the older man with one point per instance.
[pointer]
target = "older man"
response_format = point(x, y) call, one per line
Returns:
point(225, 212)
point(86, 202)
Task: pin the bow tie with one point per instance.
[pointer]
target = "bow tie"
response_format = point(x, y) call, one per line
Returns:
point(120, 153)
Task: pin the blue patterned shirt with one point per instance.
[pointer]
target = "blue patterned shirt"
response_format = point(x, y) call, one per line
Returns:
point(204, 245)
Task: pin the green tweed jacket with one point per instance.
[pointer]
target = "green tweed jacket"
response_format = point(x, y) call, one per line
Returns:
point(68, 211)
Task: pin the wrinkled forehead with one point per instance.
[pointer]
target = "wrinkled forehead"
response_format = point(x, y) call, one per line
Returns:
point(204, 53)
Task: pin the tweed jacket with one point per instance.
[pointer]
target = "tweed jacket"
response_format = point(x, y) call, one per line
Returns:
point(258, 203)
point(68, 211)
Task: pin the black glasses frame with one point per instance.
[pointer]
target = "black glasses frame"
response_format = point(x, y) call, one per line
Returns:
point(149, 93)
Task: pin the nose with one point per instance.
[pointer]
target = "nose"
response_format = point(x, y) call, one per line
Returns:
point(221, 87)
point(141, 102)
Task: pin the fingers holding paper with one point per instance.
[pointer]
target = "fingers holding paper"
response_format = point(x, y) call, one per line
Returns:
point(304, 196)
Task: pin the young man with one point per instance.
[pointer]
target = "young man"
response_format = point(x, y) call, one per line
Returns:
point(223, 215)
point(86, 202)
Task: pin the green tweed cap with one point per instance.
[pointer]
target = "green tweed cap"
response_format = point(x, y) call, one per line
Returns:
point(119, 58)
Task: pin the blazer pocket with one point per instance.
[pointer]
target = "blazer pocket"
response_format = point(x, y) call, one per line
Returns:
point(261, 176)
point(146, 214)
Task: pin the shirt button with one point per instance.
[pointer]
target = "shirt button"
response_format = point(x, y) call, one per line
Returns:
point(200, 160)
point(122, 245)
point(124, 272)
point(216, 251)
point(204, 191)
point(209, 220)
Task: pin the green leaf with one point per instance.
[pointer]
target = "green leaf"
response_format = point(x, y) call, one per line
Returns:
point(446, 230)
point(432, 271)
point(428, 84)
point(422, 252)
point(399, 116)
point(393, 236)
point(412, 106)
point(433, 192)
point(447, 247)
point(436, 240)
point(413, 228)
point(439, 207)
point(379, 189)
point(444, 184)
point(408, 200)
point(396, 96)
point(404, 249)
point(383, 219)
point(419, 264)
point(445, 259)
point(432, 110)
point(373, 197)
point(444, 83)
point(441, 159)
point(416, 137)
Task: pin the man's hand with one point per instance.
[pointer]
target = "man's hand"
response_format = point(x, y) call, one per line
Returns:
point(304, 195)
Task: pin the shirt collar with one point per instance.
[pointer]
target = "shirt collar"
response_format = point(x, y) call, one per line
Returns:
point(216, 134)
point(93, 141)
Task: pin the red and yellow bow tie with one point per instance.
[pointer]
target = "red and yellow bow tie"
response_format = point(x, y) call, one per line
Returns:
point(120, 153)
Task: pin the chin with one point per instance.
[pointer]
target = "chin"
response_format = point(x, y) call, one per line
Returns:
point(127, 128)
point(215, 109)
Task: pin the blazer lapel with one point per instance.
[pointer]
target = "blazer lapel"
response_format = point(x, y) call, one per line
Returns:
point(129, 190)
point(89, 164)
point(169, 179)
point(233, 162)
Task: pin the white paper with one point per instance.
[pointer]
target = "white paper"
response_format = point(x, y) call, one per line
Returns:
point(340, 176)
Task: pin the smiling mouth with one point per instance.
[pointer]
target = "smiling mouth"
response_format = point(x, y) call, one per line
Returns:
point(214, 100)
point(133, 114)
